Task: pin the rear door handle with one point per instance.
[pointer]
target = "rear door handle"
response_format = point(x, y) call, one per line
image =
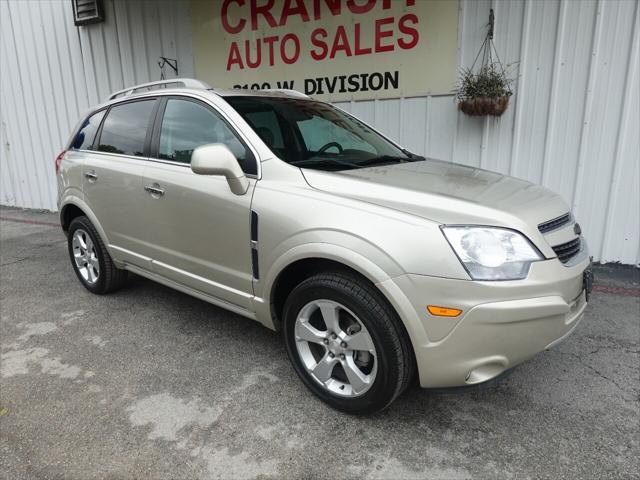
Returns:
point(91, 176)
point(154, 189)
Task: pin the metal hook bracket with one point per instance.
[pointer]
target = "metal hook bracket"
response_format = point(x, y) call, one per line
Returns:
point(492, 19)
point(172, 62)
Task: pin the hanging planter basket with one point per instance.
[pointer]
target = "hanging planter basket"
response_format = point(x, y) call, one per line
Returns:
point(485, 88)
point(484, 106)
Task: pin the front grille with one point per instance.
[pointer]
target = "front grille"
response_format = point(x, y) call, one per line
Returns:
point(555, 223)
point(566, 251)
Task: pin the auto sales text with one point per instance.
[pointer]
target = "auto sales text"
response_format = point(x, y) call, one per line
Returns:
point(388, 33)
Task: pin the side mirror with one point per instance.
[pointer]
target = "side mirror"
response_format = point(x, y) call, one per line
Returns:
point(217, 159)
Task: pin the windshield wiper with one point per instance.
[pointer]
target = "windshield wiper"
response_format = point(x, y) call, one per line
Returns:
point(388, 159)
point(414, 157)
point(322, 161)
point(384, 159)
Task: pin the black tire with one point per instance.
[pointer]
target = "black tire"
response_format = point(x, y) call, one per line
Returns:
point(395, 358)
point(110, 278)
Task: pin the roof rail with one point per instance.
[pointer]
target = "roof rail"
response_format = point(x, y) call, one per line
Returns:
point(288, 91)
point(168, 83)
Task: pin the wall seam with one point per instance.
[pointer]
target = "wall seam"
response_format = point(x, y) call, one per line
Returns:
point(427, 126)
point(520, 91)
point(632, 63)
point(553, 96)
point(113, 9)
point(21, 87)
point(586, 115)
point(462, 7)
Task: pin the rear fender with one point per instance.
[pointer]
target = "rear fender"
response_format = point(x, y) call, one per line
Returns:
point(72, 199)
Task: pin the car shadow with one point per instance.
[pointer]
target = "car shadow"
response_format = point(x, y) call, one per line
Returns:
point(195, 317)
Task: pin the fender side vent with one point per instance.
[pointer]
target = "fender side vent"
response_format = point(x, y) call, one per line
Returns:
point(254, 245)
point(254, 264)
point(254, 226)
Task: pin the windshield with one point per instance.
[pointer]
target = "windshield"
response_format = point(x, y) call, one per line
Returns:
point(312, 134)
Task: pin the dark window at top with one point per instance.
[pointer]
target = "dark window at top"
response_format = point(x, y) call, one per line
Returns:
point(125, 128)
point(87, 133)
point(187, 125)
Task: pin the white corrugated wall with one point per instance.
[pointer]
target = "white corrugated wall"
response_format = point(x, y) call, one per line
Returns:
point(51, 72)
point(573, 124)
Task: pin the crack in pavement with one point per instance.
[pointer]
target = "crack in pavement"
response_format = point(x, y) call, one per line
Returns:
point(30, 257)
point(16, 261)
point(625, 350)
point(593, 369)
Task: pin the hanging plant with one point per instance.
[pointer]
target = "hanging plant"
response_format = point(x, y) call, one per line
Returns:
point(484, 90)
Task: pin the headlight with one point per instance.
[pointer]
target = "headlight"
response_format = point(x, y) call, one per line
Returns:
point(490, 253)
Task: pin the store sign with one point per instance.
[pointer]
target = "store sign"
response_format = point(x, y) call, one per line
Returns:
point(330, 49)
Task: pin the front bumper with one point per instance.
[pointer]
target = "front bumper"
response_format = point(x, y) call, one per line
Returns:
point(502, 324)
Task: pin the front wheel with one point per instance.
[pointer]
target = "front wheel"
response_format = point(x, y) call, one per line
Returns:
point(346, 343)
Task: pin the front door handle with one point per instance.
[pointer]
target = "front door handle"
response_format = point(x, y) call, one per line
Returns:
point(91, 176)
point(154, 189)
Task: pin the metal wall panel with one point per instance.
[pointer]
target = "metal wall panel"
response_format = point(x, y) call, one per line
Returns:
point(572, 125)
point(51, 72)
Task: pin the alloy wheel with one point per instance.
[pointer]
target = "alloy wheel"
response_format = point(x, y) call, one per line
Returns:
point(335, 348)
point(85, 257)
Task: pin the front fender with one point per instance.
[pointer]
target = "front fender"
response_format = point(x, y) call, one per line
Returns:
point(339, 245)
point(310, 250)
point(326, 251)
point(381, 278)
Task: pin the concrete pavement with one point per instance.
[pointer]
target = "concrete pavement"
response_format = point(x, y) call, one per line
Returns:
point(151, 383)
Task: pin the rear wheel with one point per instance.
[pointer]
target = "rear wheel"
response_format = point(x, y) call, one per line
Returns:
point(346, 343)
point(90, 260)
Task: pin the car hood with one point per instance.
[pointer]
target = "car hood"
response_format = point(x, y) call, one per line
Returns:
point(445, 192)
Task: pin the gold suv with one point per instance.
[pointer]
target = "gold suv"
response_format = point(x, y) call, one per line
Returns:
point(376, 264)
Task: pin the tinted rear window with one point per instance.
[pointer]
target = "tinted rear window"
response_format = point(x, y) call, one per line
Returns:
point(125, 128)
point(87, 133)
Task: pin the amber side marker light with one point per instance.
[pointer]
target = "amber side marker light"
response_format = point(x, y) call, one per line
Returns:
point(443, 311)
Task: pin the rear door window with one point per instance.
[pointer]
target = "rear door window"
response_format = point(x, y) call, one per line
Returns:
point(87, 133)
point(186, 125)
point(125, 129)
